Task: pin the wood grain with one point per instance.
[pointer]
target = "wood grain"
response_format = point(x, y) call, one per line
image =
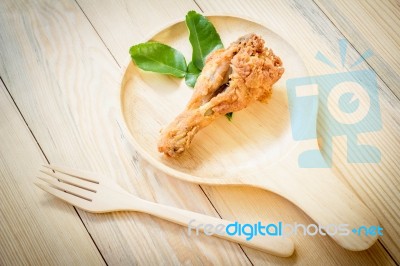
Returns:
point(60, 73)
point(131, 22)
point(375, 184)
point(256, 149)
point(31, 231)
point(65, 83)
point(371, 25)
point(248, 204)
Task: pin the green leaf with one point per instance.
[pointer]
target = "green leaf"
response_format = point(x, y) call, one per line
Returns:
point(229, 116)
point(203, 37)
point(160, 58)
point(192, 74)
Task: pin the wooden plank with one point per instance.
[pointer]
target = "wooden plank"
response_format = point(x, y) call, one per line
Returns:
point(376, 184)
point(66, 83)
point(130, 22)
point(251, 205)
point(30, 233)
point(371, 25)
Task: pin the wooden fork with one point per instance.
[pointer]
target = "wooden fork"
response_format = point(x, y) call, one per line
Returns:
point(97, 194)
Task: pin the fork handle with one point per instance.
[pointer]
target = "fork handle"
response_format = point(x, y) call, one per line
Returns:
point(197, 222)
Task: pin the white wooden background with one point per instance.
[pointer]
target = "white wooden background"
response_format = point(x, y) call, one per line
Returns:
point(60, 68)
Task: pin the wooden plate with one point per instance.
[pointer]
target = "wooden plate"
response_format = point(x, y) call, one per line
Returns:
point(256, 148)
point(256, 136)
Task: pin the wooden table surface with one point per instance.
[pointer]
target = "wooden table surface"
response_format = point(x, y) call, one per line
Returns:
point(61, 64)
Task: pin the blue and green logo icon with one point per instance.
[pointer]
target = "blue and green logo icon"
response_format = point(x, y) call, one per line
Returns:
point(348, 103)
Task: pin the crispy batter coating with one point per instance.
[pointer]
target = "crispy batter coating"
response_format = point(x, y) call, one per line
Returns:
point(231, 79)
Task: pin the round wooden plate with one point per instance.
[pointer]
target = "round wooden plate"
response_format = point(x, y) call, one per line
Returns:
point(257, 135)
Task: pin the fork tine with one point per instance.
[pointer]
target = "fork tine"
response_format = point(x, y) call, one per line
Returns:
point(73, 172)
point(78, 192)
point(71, 199)
point(71, 180)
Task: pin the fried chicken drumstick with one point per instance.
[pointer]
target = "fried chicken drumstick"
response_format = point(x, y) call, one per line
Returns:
point(231, 79)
